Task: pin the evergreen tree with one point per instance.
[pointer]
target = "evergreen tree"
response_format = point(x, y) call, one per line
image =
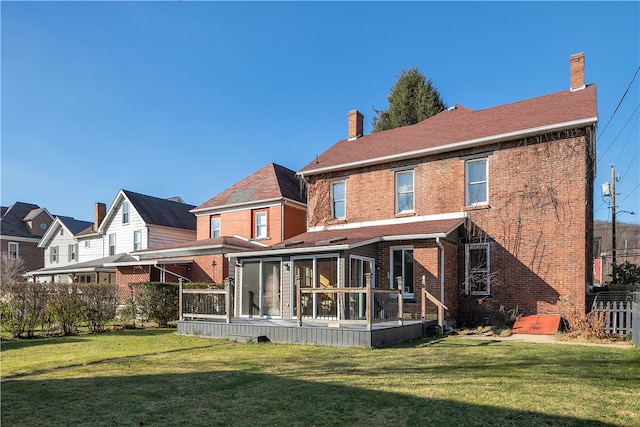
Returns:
point(412, 99)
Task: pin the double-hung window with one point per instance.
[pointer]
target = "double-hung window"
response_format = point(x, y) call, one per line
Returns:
point(261, 225)
point(53, 254)
point(112, 244)
point(13, 252)
point(137, 240)
point(476, 182)
point(125, 212)
point(338, 200)
point(404, 191)
point(478, 269)
point(73, 252)
point(215, 226)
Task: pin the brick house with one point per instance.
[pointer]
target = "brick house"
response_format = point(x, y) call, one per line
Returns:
point(22, 225)
point(263, 209)
point(481, 208)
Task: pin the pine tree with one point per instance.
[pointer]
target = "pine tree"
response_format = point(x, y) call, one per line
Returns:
point(412, 99)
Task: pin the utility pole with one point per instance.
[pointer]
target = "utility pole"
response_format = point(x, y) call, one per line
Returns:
point(613, 218)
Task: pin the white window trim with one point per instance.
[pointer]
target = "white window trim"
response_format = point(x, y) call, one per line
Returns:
point(365, 259)
point(54, 255)
point(139, 234)
point(467, 183)
point(17, 251)
point(212, 229)
point(126, 211)
point(259, 225)
point(344, 200)
point(392, 281)
point(396, 190)
point(73, 250)
point(114, 244)
point(467, 267)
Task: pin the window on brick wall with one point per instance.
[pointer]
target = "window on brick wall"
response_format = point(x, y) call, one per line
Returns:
point(338, 200)
point(478, 269)
point(215, 226)
point(13, 250)
point(260, 225)
point(404, 191)
point(476, 182)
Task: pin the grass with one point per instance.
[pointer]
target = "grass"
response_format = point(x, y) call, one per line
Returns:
point(156, 378)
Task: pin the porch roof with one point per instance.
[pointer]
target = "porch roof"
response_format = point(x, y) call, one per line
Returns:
point(344, 239)
point(96, 265)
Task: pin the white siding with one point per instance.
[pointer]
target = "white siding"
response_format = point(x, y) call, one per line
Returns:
point(151, 237)
point(62, 242)
point(94, 251)
point(124, 232)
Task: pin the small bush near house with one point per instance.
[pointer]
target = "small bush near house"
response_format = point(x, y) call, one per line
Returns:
point(477, 312)
point(23, 307)
point(65, 306)
point(100, 300)
point(154, 301)
point(588, 326)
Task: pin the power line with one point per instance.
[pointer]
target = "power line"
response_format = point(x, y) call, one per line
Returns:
point(619, 103)
point(625, 125)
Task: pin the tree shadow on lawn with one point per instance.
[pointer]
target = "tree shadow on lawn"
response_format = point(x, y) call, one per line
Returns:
point(242, 398)
point(16, 344)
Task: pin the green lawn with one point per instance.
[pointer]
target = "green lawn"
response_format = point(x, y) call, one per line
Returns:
point(156, 378)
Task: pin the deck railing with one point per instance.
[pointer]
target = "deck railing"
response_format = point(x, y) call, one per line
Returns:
point(441, 308)
point(205, 303)
point(363, 305)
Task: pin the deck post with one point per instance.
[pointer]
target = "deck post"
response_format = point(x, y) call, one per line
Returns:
point(298, 304)
point(227, 299)
point(400, 308)
point(369, 305)
point(180, 298)
point(424, 305)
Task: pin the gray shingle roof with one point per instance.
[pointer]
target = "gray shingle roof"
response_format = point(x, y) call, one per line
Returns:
point(163, 212)
point(75, 226)
point(12, 221)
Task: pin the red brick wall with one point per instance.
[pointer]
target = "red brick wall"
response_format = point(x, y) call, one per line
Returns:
point(126, 275)
point(295, 221)
point(538, 218)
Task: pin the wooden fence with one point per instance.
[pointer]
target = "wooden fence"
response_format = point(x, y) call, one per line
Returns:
point(617, 315)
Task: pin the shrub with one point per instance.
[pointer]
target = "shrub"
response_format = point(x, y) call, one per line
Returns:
point(23, 307)
point(66, 306)
point(100, 301)
point(155, 301)
point(589, 325)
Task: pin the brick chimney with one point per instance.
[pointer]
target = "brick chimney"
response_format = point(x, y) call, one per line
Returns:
point(99, 212)
point(356, 124)
point(577, 71)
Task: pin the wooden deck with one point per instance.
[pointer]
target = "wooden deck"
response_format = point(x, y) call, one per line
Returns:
point(285, 331)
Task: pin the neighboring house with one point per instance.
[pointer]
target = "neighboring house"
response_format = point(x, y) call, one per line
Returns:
point(481, 208)
point(22, 225)
point(134, 222)
point(61, 250)
point(627, 248)
point(265, 208)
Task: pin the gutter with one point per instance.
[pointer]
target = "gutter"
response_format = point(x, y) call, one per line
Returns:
point(453, 146)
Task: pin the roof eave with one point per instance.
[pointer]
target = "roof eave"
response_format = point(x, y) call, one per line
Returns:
point(453, 146)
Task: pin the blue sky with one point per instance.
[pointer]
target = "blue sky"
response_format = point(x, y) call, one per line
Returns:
point(187, 98)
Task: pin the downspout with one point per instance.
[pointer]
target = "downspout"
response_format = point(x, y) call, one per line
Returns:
point(441, 269)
